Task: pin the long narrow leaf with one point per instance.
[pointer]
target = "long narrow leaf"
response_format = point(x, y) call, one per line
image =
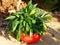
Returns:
point(24, 23)
point(31, 32)
point(44, 25)
point(18, 35)
point(10, 17)
point(20, 26)
point(27, 27)
point(14, 25)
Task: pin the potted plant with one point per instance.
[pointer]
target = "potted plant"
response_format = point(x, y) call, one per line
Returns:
point(28, 24)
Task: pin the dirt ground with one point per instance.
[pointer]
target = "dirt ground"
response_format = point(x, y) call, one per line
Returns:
point(50, 37)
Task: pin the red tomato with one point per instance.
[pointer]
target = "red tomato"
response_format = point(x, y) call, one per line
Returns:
point(35, 38)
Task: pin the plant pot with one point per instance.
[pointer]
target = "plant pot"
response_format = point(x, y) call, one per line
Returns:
point(33, 39)
point(30, 20)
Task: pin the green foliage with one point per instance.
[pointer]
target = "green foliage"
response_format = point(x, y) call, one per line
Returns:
point(28, 20)
point(10, 17)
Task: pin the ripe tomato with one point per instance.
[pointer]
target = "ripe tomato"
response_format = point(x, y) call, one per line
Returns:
point(35, 38)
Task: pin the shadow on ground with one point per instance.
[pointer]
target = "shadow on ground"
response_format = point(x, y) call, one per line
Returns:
point(49, 39)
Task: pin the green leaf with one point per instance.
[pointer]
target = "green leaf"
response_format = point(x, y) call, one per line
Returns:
point(41, 32)
point(19, 31)
point(32, 12)
point(33, 21)
point(35, 5)
point(30, 23)
point(44, 25)
point(27, 27)
point(38, 12)
point(10, 17)
point(37, 31)
point(9, 26)
point(17, 15)
point(20, 26)
point(14, 25)
point(18, 35)
point(26, 10)
point(24, 23)
point(22, 17)
point(31, 32)
point(29, 3)
point(48, 17)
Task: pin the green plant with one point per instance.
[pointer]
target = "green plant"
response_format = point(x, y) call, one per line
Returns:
point(29, 20)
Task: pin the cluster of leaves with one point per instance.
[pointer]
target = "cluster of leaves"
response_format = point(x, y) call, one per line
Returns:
point(28, 20)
